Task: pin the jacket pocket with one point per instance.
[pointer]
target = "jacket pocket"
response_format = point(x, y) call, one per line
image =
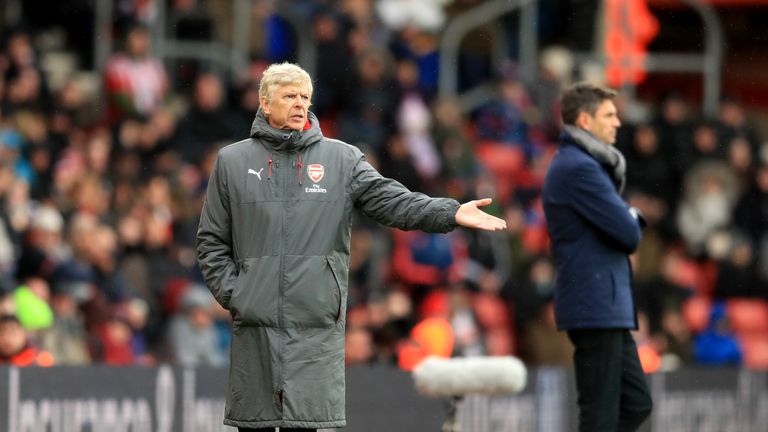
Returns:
point(255, 295)
point(336, 278)
point(312, 295)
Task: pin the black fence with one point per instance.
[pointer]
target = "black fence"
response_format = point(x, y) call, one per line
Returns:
point(379, 399)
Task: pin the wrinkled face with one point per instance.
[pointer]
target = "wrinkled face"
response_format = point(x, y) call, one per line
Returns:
point(288, 107)
point(603, 124)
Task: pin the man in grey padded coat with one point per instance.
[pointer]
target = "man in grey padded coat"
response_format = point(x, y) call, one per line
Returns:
point(273, 245)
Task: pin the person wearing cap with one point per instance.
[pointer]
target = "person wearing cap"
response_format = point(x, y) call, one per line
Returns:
point(43, 248)
point(16, 347)
point(273, 245)
point(192, 332)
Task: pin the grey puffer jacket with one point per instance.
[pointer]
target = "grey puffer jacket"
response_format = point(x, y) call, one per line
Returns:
point(273, 246)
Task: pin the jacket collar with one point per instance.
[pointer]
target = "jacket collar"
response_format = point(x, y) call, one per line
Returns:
point(607, 155)
point(282, 140)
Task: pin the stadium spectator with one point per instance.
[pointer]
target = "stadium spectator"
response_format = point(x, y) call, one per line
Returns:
point(332, 84)
point(247, 95)
point(674, 343)
point(674, 128)
point(358, 346)
point(555, 67)
point(414, 122)
point(134, 178)
point(135, 82)
point(66, 338)
point(416, 48)
point(717, 345)
point(506, 117)
point(468, 335)
point(706, 145)
point(367, 116)
point(192, 336)
point(648, 169)
point(457, 161)
point(737, 274)
point(16, 348)
point(368, 261)
point(25, 84)
point(395, 161)
point(751, 212)
point(710, 194)
point(35, 155)
point(112, 341)
point(43, 247)
point(207, 122)
point(732, 122)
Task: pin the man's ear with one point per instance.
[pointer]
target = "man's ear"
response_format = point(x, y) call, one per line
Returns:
point(264, 105)
point(584, 120)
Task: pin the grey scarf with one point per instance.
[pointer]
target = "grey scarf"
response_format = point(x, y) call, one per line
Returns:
point(607, 155)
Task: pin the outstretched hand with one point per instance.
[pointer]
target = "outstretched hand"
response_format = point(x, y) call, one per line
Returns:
point(469, 215)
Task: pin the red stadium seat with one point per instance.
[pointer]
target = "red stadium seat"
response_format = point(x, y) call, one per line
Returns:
point(503, 161)
point(754, 348)
point(500, 158)
point(696, 312)
point(748, 315)
point(491, 311)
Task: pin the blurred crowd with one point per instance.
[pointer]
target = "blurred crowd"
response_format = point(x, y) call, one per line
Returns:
point(101, 190)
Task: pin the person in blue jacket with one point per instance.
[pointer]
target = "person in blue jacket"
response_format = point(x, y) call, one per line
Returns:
point(593, 232)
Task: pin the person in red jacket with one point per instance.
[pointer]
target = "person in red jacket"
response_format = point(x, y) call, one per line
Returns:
point(135, 82)
point(16, 348)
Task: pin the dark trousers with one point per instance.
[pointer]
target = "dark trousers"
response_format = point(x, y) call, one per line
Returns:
point(613, 394)
point(273, 430)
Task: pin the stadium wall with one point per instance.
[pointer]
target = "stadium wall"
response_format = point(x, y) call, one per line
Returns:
point(170, 399)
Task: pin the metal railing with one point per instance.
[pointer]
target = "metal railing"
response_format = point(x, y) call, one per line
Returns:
point(218, 56)
point(707, 63)
point(477, 17)
point(234, 58)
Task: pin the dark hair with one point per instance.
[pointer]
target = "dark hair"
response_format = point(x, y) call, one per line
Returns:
point(583, 97)
point(9, 317)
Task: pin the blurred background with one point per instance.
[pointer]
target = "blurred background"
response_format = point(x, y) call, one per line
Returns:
point(112, 111)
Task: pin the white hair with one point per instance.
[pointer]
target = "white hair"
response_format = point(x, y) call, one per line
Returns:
point(283, 74)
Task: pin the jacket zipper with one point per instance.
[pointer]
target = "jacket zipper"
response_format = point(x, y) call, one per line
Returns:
point(281, 287)
point(298, 170)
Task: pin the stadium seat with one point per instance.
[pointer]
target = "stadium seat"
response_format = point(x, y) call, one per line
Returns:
point(503, 161)
point(490, 311)
point(500, 158)
point(748, 316)
point(754, 348)
point(696, 312)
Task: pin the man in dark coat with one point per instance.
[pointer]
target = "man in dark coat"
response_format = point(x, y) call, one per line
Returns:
point(273, 245)
point(593, 231)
